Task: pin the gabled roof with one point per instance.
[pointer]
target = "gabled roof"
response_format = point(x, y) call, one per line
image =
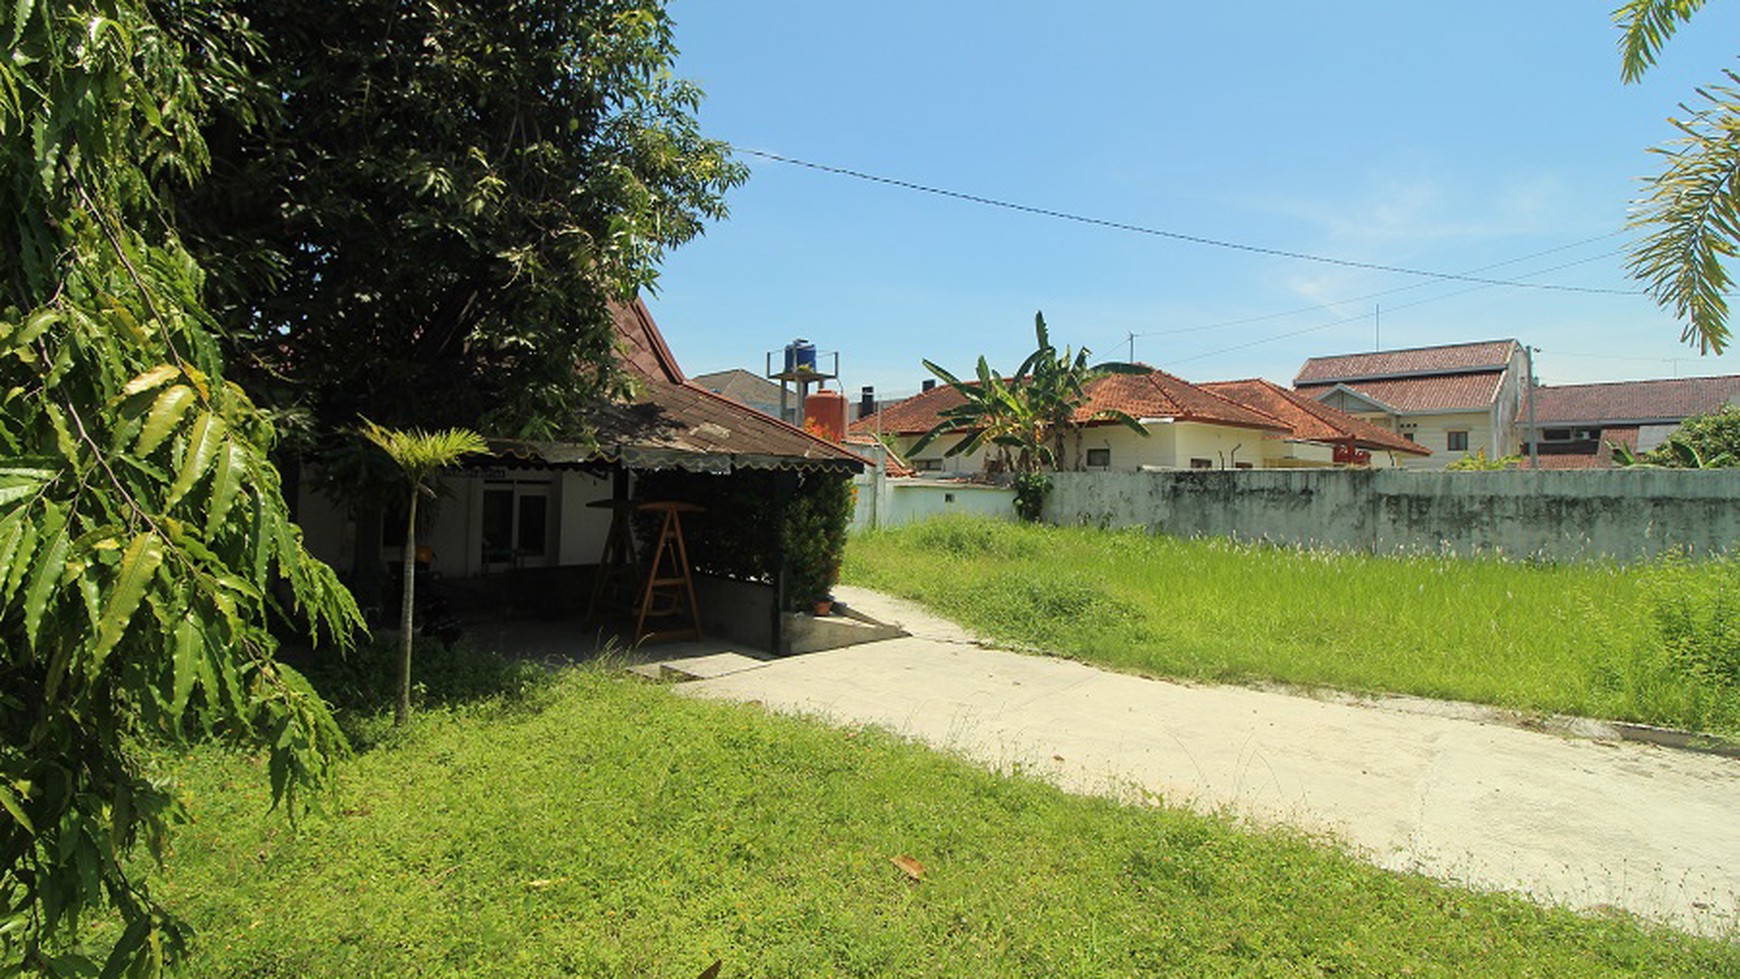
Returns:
point(913, 416)
point(1428, 393)
point(739, 385)
point(1663, 401)
point(1153, 395)
point(672, 423)
point(1312, 420)
point(1158, 394)
point(1455, 358)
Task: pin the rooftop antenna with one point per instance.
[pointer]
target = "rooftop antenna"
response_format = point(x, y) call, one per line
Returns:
point(1377, 327)
point(1132, 347)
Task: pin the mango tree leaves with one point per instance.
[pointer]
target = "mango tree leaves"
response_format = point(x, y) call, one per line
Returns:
point(142, 527)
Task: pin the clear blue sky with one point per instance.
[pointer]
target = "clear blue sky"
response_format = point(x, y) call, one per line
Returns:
point(1448, 137)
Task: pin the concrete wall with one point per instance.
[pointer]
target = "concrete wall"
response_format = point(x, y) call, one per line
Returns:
point(883, 502)
point(1626, 515)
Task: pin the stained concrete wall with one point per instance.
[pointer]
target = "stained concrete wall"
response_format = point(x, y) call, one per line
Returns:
point(1625, 515)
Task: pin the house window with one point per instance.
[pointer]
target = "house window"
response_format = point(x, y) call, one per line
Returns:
point(1456, 441)
point(515, 525)
point(1243, 465)
point(927, 465)
point(1555, 435)
point(1408, 435)
point(1099, 458)
point(1202, 463)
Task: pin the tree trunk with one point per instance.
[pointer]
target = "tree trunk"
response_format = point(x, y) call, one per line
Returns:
point(402, 709)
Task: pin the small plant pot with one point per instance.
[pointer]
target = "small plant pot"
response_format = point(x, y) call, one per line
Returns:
point(825, 607)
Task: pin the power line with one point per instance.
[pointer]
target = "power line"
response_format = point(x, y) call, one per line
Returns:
point(1407, 288)
point(1175, 235)
point(1355, 319)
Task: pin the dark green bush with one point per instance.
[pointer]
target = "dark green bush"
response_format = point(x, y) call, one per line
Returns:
point(1030, 490)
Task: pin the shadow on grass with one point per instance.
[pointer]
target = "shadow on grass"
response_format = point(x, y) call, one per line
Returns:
point(362, 684)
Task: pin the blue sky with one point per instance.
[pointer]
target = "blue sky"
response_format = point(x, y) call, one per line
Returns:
point(1447, 137)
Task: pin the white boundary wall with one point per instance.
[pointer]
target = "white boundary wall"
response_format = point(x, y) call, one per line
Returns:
point(884, 502)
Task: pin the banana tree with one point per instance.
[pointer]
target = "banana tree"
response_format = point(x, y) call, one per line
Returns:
point(994, 411)
point(1056, 387)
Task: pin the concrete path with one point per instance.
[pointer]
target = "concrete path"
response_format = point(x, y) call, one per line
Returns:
point(1584, 822)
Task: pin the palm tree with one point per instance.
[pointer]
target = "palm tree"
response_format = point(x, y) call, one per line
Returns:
point(419, 455)
point(1692, 208)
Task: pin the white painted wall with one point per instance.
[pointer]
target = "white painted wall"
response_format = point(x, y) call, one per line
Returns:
point(1433, 432)
point(883, 502)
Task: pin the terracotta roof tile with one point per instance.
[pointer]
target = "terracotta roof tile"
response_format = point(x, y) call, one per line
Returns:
point(1312, 420)
point(1488, 355)
point(1663, 400)
point(1445, 392)
point(913, 416)
point(1153, 395)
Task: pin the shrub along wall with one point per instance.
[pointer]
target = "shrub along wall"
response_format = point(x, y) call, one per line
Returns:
point(1625, 515)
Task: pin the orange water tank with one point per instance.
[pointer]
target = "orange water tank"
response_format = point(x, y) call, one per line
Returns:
point(825, 415)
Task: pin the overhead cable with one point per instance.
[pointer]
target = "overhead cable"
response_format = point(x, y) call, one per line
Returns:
point(1175, 235)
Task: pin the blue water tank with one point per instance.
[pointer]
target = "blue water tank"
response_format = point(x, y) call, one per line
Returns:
point(800, 355)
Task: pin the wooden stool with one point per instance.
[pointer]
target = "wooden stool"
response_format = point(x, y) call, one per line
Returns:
point(673, 586)
point(616, 566)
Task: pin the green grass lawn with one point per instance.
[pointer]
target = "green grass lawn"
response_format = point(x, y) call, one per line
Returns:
point(1657, 644)
point(601, 827)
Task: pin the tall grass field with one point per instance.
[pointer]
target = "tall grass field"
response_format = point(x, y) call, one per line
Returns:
point(1657, 643)
point(595, 826)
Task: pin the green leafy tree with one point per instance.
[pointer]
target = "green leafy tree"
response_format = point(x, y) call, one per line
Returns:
point(1692, 208)
point(144, 542)
point(419, 455)
point(1710, 441)
point(418, 212)
point(1478, 462)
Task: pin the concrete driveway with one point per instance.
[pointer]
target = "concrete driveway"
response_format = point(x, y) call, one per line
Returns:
point(1580, 821)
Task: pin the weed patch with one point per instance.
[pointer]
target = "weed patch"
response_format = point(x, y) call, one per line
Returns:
point(1657, 644)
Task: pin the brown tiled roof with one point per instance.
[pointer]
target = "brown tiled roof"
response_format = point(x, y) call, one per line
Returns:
point(1312, 420)
point(1158, 394)
point(672, 423)
point(1445, 392)
point(913, 416)
point(1662, 401)
point(1488, 355)
point(1153, 395)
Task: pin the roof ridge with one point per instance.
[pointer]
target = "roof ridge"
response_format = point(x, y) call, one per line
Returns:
point(1413, 350)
